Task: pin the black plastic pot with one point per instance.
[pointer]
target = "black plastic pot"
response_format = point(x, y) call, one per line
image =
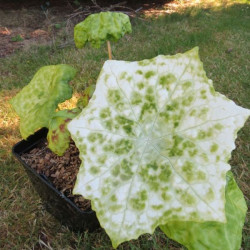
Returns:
point(54, 201)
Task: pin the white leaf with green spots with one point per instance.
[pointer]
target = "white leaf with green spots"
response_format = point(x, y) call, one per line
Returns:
point(154, 142)
point(36, 103)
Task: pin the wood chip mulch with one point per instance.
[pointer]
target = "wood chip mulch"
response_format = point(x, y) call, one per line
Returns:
point(60, 170)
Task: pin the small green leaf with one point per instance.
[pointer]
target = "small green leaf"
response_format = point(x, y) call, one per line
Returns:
point(213, 235)
point(58, 136)
point(98, 28)
point(36, 103)
point(16, 38)
point(58, 25)
point(87, 94)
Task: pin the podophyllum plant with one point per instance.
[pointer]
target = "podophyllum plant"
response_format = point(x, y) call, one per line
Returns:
point(154, 141)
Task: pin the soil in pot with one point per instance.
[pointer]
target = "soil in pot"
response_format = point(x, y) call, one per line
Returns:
point(60, 170)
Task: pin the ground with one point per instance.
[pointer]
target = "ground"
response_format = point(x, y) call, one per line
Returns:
point(25, 23)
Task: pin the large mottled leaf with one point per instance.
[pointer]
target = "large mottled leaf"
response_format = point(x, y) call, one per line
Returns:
point(58, 136)
point(213, 235)
point(98, 28)
point(36, 102)
point(154, 142)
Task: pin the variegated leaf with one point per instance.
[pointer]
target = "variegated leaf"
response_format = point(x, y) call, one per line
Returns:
point(154, 142)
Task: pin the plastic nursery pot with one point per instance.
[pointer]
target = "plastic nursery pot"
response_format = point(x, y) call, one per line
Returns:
point(54, 201)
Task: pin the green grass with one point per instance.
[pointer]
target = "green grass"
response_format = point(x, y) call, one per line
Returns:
point(222, 35)
point(17, 38)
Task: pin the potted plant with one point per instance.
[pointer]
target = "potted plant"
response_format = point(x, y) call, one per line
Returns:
point(154, 142)
point(37, 106)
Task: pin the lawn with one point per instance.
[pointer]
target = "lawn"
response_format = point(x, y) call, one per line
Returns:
point(222, 34)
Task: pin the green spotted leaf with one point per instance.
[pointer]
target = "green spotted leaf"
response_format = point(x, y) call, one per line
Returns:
point(36, 102)
point(58, 136)
point(98, 28)
point(155, 140)
point(213, 235)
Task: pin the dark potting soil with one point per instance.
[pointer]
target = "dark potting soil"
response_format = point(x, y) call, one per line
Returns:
point(60, 170)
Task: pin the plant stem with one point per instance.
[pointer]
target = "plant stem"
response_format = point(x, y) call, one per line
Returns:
point(109, 50)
